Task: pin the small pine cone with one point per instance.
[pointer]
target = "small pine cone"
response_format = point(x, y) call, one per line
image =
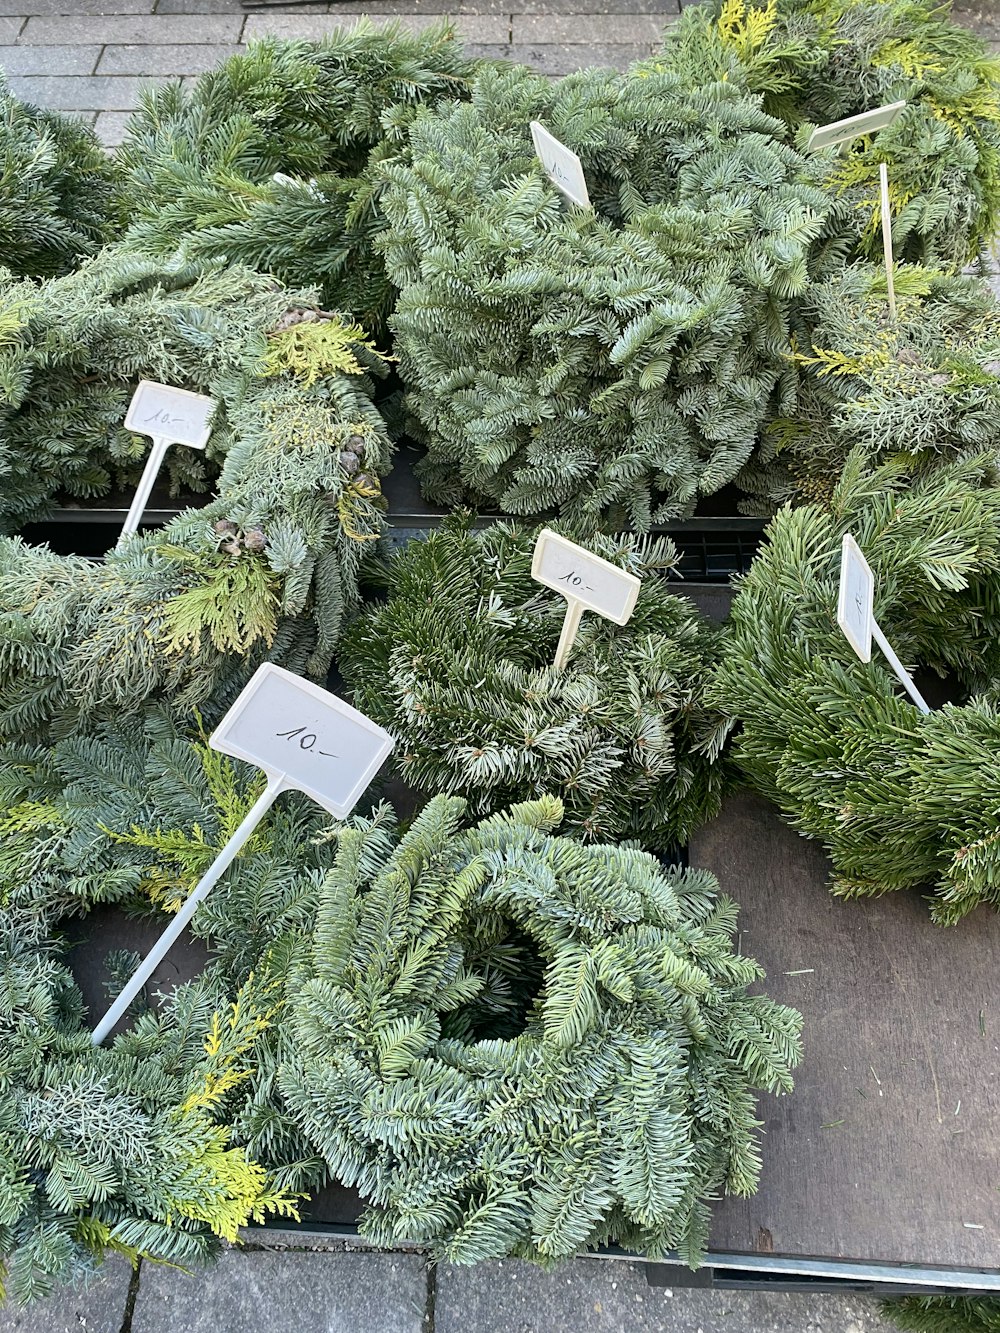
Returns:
point(355, 444)
point(908, 356)
point(223, 528)
point(349, 462)
point(254, 539)
point(366, 481)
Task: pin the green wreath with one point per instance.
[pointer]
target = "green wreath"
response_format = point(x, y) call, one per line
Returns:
point(513, 1043)
point(268, 567)
point(897, 798)
point(457, 665)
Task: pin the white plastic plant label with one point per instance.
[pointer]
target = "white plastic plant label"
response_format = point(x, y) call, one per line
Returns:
point(857, 597)
point(562, 166)
point(584, 577)
point(305, 738)
point(852, 127)
point(171, 414)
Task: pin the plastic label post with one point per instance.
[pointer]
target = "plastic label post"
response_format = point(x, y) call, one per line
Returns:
point(168, 416)
point(588, 582)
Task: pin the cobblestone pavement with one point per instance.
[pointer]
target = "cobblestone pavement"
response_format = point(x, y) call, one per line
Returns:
point(91, 57)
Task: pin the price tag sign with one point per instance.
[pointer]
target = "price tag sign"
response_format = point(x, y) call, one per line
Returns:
point(166, 413)
point(857, 598)
point(579, 574)
point(842, 131)
point(562, 166)
point(305, 738)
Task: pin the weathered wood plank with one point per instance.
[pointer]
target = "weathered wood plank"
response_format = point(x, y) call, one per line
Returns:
point(888, 1149)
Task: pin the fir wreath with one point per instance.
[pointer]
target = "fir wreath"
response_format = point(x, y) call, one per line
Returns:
point(369, 1012)
point(817, 61)
point(201, 162)
point(131, 1148)
point(269, 566)
point(456, 664)
point(617, 362)
point(513, 1043)
point(897, 798)
point(60, 198)
point(924, 387)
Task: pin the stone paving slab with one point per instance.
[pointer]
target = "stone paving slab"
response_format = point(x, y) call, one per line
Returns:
point(214, 29)
point(54, 60)
point(97, 1308)
point(473, 27)
point(186, 59)
point(286, 1293)
point(97, 93)
point(592, 1296)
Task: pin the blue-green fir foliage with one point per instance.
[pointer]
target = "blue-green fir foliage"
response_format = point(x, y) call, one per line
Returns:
point(616, 362)
point(201, 161)
point(513, 1043)
point(457, 665)
point(60, 199)
point(267, 568)
point(897, 798)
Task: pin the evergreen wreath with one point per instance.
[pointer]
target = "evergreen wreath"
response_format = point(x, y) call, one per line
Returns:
point(817, 61)
point(513, 1043)
point(617, 362)
point(898, 799)
point(268, 567)
point(456, 664)
point(132, 1148)
point(924, 387)
point(201, 161)
point(60, 198)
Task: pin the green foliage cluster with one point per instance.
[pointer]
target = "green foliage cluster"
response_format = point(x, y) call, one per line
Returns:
point(457, 665)
point(898, 799)
point(589, 992)
point(269, 566)
point(945, 1314)
point(817, 61)
point(923, 388)
point(60, 198)
point(512, 1043)
point(201, 161)
point(130, 1148)
point(614, 363)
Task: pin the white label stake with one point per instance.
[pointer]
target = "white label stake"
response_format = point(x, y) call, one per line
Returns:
point(586, 581)
point(168, 416)
point(562, 166)
point(883, 177)
point(304, 739)
point(853, 127)
point(856, 617)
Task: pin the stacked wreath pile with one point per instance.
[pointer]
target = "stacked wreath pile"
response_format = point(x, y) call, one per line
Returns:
point(897, 798)
point(268, 160)
point(510, 1041)
point(269, 566)
point(618, 362)
point(457, 665)
point(60, 198)
point(628, 1078)
point(817, 61)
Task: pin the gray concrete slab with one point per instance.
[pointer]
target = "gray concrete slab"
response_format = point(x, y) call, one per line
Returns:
point(591, 29)
point(97, 1308)
point(594, 1296)
point(110, 126)
point(286, 1293)
point(10, 29)
point(556, 60)
point(473, 27)
point(186, 59)
point(98, 93)
point(54, 60)
point(214, 29)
